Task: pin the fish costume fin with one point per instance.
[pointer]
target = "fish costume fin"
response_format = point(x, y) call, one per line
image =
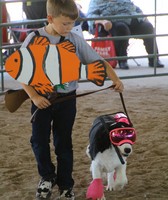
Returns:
point(43, 88)
point(69, 46)
point(39, 40)
point(96, 72)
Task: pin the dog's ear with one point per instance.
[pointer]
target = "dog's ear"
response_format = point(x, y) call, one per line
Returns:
point(98, 139)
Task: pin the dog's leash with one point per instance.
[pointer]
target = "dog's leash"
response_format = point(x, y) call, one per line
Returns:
point(107, 131)
point(65, 98)
point(125, 110)
point(61, 99)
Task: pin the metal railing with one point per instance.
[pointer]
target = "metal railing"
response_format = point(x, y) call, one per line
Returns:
point(25, 22)
point(154, 36)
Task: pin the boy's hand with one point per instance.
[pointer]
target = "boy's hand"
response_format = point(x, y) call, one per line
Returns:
point(118, 86)
point(40, 101)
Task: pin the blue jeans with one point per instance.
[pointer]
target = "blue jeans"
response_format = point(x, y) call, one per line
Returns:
point(58, 118)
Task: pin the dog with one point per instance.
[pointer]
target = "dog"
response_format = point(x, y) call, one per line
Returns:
point(110, 144)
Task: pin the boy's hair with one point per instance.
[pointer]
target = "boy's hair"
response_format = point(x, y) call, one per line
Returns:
point(67, 8)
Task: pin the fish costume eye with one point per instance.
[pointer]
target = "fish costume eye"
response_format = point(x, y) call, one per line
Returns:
point(15, 60)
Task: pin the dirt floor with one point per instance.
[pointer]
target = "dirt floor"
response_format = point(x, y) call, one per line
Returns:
point(147, 169)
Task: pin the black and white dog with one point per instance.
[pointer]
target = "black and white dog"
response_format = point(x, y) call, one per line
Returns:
point(111, 138)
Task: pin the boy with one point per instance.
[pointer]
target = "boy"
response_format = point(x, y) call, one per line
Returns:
point(61, 15)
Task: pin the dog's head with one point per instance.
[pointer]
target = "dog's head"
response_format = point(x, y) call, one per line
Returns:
point(122, 134)
point(111, 130)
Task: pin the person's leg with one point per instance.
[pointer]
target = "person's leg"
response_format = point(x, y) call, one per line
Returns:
point(121, 29)
point(145, 27)
point(64, 116)
point(40, 140)
point(118, 29)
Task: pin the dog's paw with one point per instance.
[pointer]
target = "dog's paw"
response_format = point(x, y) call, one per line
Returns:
point(103, 198)
point(119, 184)
point(110, 180)
point(110, 185)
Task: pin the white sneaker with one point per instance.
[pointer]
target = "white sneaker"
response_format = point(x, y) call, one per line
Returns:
point(67, 195)
point(45, 188)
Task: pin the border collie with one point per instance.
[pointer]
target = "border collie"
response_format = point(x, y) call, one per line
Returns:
point(110, 143)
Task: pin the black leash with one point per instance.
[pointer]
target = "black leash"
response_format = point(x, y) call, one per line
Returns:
point(125, 110)
point(59, 99)
point(65, 98)
point(107, 131)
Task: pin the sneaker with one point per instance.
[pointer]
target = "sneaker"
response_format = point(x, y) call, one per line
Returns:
point(45, 188)
point(66, 195)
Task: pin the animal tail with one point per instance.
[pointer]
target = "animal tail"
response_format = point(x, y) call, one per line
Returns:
point(95, 72)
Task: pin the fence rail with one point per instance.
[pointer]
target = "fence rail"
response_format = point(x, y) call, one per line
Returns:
point(25, 22)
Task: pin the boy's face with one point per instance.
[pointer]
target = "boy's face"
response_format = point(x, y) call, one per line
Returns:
point(61, 25)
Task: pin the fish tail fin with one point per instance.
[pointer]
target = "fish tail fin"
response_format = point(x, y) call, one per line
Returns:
point(96, 72)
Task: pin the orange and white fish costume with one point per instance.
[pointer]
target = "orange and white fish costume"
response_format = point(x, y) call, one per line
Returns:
point(43, 65)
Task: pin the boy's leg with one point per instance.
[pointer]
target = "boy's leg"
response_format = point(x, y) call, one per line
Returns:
point(62, 130)
point(40, 140)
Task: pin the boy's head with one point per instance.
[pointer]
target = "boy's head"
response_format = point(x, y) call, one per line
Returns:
point(61, 15)
point(66, 8)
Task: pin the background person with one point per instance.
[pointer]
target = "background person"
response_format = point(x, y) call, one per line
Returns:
point(122, 27)
point(84, 24)
point(35, 10)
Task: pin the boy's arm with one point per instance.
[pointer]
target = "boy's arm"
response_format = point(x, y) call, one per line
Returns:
point(40, 101)
point(113, 76)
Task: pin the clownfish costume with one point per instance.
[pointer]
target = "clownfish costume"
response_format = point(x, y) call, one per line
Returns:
point(43, 65)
